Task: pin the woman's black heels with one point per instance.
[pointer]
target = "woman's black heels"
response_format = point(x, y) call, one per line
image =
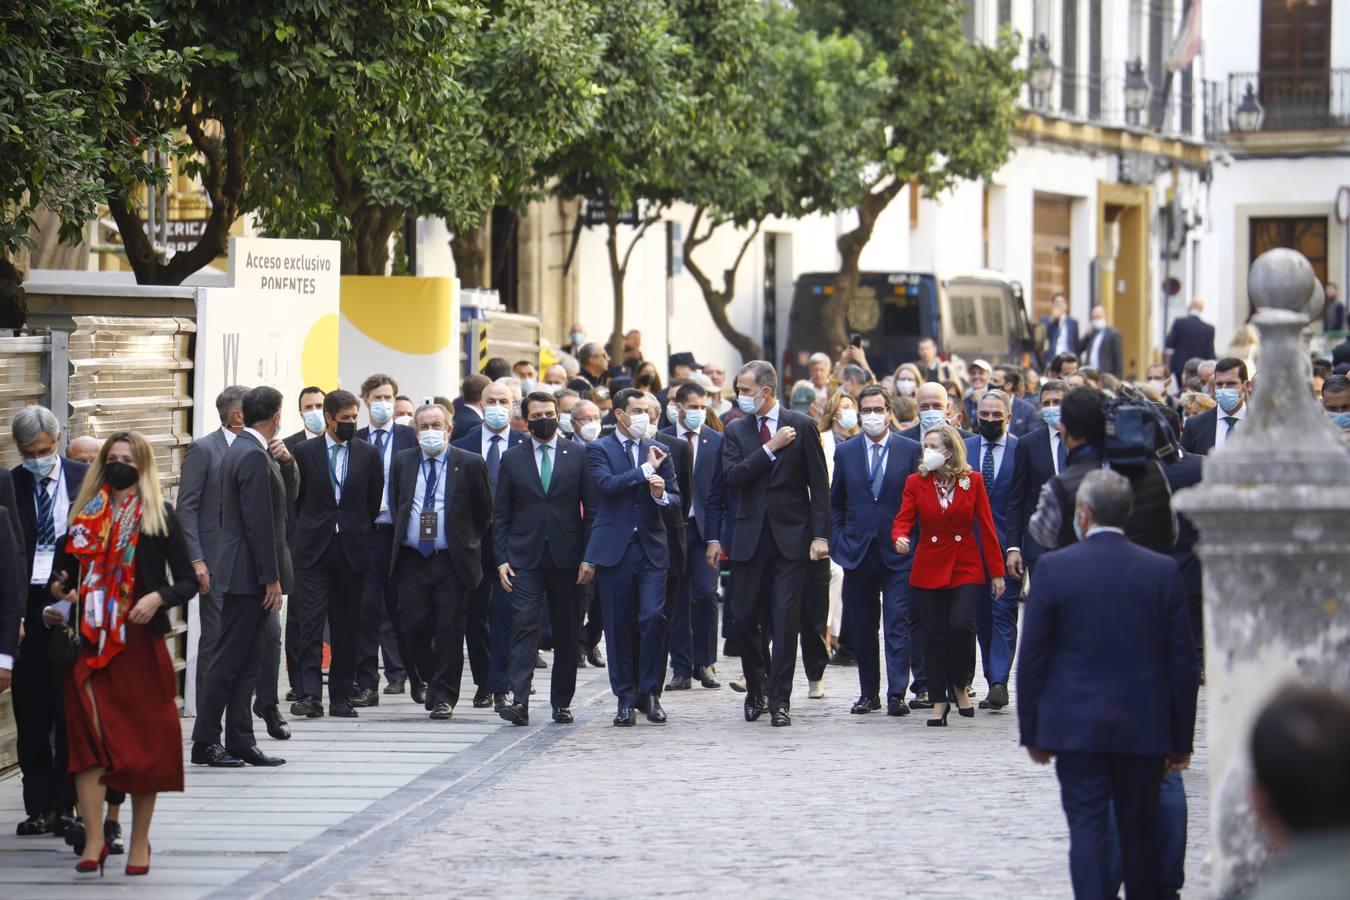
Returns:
point(942, 722)
point(967, 712)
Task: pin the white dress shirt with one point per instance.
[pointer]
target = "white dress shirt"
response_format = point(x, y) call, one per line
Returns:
point(1221, 427)
point(384, 518)
point(1054, 449)
point(770, 419)
point(257, 436)
point(411, 535)
point(1095, 351)
point(693, 461)
point(230, 436)
point(488, 435)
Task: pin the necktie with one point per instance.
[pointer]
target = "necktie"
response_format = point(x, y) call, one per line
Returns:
point(494, 458)
point(1232, 423)
point(690, 436)
point(764, 430)
point(427, 546)
point(1061, 455)
point(380, 438)
point(987, 466)
point(333, 466)
point(46, 536)
point(628, 453)
point(545, 467)
point(877, 471)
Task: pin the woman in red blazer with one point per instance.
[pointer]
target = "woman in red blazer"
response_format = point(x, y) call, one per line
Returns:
point(951, 566)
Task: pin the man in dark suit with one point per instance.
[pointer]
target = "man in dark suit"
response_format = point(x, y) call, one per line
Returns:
point(1061, 330)
point(630, 548)
point(1190, 337)
point(36, 526)
point(543, 507)
point(994, 454)
point(772, 460)
point(341, 484)
point(1107, 682)
point(469, 412)
point(1187, 470)
point(1040, 456)
point(379, 633)
point(869, 482)
point(311, 413)
point(693, 623)
point(1025, 418)
point(1333, 314)
point(487, 629)
point(253, 571)
point(442, 502)
point(677, 583)
point(1102, 349)
point(1212, 428)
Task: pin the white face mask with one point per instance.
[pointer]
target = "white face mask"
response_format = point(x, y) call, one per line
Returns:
point(565, 422)
point(906, 387)
point(874, 424)
point(432, 442)
point(402, 420)
point(1098, 324)
point(933, 459)
point(651, 430)
point(673, 412)
point(637, 425)
point(590, 431)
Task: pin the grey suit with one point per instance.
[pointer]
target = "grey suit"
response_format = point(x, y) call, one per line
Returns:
point(255, 493)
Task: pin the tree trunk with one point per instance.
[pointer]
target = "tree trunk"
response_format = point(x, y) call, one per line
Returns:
point(850, 245)
point(617, 271)
point(470, 260)
point(717, 299)
point(372, 226)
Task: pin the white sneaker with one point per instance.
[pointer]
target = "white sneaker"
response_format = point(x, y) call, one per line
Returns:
point(738, 684)
point(817, 690)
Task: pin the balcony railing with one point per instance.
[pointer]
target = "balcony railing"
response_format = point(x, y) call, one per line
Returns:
point(1102, 101)
point(1277, 101)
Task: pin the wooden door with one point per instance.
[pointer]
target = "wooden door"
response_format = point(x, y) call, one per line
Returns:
point(1295, 63)
point(1050, 251)
point(1306, 235)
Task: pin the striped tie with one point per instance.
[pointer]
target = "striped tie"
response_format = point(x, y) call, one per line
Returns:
point(46, 535)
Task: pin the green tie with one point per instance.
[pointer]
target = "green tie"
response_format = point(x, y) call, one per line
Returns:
point(1232, 423)
point(332, 466)
point(545, 467)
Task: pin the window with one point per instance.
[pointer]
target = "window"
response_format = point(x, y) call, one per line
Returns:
point(1004, 12)
point(1306, 235)
point(1159, 37)
point(992, 310)
point(964, 322)
point(1094, 66)
point(1296, 63)
point(1069, 77)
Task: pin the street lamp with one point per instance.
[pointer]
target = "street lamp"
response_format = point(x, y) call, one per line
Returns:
point(1041, 69)
point(1250, 114)
point(1137, 89)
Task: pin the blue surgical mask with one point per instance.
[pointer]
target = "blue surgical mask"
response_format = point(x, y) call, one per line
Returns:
point(496, 417)
point(749, 405)
point(931, 418)
point(1229, 399)
point(694, 418)
point(432, 442)
point(1339, 419)
point(381, 411)
point(314, 423)
point(42, 466)
point(1050, 416)
point(848, 419)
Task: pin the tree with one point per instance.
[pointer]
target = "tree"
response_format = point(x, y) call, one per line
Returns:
point(947, 118)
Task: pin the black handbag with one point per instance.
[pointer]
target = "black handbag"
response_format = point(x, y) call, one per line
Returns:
point(64, 645)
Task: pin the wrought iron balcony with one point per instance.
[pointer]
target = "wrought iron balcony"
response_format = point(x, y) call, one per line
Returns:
point(1250, 102)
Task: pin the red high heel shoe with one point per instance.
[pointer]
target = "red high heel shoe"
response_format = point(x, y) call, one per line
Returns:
point(141, 870)
point(88, 865)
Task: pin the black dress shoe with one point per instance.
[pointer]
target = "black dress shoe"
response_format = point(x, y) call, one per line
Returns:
point(215, 756)
point(516, 714)
point(644, 703)
point(307, 708)
point(276, 725)
point(498, 702)
point(59, 823)
point(595, 659)
point(998, 697)
point(34, 825)
point(705, 677)
point(581, 659)
point(482, 698)
point(342, 710)
point(921, 701)
point(780, 718)
point(365, 698)
point(752, 710)
point(255, 757)
point(842, 657)
point(864, 705)
point(396, 686)
point(896, 706)
point(655, 714)
point(112, 836)
point(680, 683)
point(626, 716)
point(292, 695)
point(442, 711)
point(75, 836)
point(539, 661)
point(563, 716)
point(419, 693)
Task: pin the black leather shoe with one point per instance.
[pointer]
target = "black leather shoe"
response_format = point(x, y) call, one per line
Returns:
point(516, 714)
point(307, 708)
point(215, 756)
point(365, 698)
point(397, 686)
point(581, 659)
point(419, 693)
point(442, 711)
point(58, 823)
point(752, 710)
point(680, 683)
point(842, 657)
point(655, 714)
point(255, 757)
point(34, 825)
point(921, 701)
point(895, 706)
point(342, 710)
point(595, 659)
point(112, 836)
point(780, 718)
point(864, 705)
point(482, 699)
point(998, 697)
point(292, 695)
point(276, 725)
point(539, 662)
point(627, 716)
point(644, 703)
point(498, 702)
point(76, 837)
point(705, 676)
point(563, 716)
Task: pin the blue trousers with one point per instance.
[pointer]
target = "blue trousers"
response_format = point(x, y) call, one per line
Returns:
point(1090, 783)
point(633, 599)
point(1171, 834)
point(877, 596)
point(693, 617)
point(996, 631)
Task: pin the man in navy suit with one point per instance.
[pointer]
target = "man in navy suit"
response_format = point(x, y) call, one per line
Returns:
point(1061, 330)
point(1107, 683)
point(469, 405)
point(1040, 456)
point(994, 452)
point(542, 510)
point(1214, 427)
point(693, 621)
point(1025, 418)
point(487, 630)
point(379, 602)
point(869, 483)
point(629, 548)
point(1190, 337)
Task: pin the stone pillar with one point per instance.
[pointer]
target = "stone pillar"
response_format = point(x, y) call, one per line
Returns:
point(1273, 514)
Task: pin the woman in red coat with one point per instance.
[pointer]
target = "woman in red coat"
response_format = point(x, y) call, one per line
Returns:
point(951, 566)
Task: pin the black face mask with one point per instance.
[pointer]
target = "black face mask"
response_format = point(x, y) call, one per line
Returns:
point(544, 429)
point(120, 475)
point(345, 431)
point(991, 431)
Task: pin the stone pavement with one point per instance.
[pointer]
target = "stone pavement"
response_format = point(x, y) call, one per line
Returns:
point(706, 806)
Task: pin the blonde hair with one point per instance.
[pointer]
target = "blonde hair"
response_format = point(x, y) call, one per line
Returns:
point(1194, 402)
point(152, 500)
point(955, 465)
point(913, 370)
point(826, 421)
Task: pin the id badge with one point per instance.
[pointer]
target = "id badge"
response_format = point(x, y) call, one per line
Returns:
point(427, 526)
point(42, 565)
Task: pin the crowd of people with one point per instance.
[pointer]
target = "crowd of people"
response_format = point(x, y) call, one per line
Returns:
point(858, 517)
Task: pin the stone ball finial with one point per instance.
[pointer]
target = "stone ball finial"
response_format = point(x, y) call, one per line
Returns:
point(1317, 300)
point(1281, 279)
